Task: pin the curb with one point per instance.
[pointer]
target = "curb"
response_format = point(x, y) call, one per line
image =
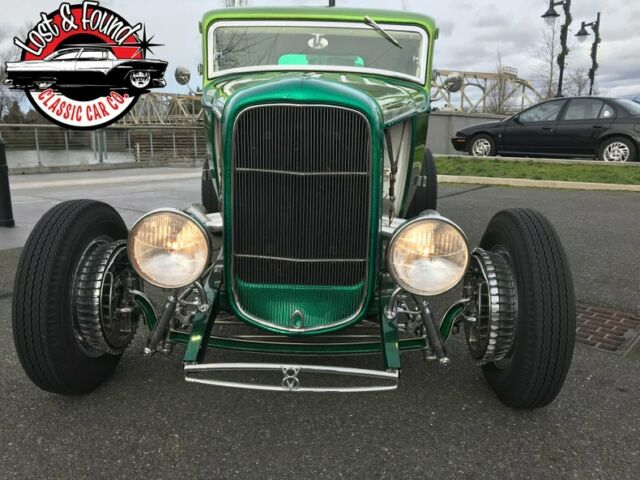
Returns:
point(83, 182)
point(523, 182)
point(104, 166)
point(560, 161)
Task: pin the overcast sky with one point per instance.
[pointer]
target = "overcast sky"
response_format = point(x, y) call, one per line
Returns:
point(471, 32)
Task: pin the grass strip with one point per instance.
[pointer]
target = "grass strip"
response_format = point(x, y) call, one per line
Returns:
point(533, 170)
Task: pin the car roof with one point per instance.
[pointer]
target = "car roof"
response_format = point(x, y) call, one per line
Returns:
point(321, 13)
point(83, 47)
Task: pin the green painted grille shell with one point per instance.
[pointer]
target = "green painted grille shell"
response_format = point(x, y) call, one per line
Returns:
point(303, 90)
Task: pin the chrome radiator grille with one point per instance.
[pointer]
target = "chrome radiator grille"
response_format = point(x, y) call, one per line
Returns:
point(301, 193)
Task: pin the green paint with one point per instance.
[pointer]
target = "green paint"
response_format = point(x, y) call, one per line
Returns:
point(383, 100)
point(203, 322)
point(319, 305)
point(448, 321)
point(305, 89)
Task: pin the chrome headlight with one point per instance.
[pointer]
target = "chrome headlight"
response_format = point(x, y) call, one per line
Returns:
point(428, 255)
point(168, 248)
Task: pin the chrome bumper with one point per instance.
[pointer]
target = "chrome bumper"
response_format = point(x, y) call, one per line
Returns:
point(291, 381)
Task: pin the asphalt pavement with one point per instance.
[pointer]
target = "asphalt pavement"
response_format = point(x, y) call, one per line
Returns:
point(146, 422)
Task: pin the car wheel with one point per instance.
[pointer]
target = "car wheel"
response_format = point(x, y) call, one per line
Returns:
point(482, 145)
point(44, 84)
point(62, 339)
point(534, 367)
point(209, 196)
point(139, 79)
point(618, 149)
point(425, 196)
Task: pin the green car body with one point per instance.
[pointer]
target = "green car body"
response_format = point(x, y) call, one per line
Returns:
point(384, 101)
point(325, 195)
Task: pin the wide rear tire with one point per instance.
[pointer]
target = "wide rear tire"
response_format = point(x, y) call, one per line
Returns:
point(43, 327)
point(534, 371)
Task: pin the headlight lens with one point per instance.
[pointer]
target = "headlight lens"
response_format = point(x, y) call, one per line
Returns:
point(428, 256)
point(168, 249)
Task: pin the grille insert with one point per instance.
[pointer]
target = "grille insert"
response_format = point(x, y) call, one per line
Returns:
point(301, 190)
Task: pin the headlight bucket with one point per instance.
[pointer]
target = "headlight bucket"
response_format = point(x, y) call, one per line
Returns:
point(168, 248)
point(428, 255)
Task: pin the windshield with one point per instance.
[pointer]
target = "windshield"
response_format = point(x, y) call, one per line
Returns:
point(241, 46)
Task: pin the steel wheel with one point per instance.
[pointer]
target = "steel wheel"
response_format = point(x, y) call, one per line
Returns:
point(616, 152)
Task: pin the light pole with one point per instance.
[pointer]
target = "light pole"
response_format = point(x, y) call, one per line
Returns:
point(582, 35)
point(550, 17)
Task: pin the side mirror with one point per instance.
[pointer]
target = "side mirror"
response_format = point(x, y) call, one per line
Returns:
point(516, 119)
point(453, 83)
point(183, 75)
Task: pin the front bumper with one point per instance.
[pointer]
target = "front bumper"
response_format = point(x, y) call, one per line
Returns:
point(459, 143)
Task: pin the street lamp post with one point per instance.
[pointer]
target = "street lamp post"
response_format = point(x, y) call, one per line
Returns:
point(550, 17)
point(582, 35)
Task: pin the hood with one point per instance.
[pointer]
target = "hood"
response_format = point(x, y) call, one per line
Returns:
point(484, 125)
point(396, 99)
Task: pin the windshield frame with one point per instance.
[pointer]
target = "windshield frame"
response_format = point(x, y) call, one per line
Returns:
point(424, 54)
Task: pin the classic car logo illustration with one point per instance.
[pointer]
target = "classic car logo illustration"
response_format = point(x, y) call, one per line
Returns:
point(84, 66)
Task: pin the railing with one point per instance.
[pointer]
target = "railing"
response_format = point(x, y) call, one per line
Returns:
point(32, 146)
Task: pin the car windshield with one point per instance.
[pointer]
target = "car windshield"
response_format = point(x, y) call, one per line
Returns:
point(319, 46)
point(630, 106)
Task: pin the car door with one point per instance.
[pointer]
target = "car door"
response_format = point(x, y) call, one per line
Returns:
point(581, 125)
point(532, 131)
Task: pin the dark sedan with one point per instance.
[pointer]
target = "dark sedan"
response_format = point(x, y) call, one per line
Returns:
point(590, 127)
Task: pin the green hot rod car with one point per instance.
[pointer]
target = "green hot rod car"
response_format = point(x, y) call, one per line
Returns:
point(318, 179)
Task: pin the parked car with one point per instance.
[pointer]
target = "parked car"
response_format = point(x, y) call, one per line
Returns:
point(88, 66)
point(332, 244)
point(592, 127)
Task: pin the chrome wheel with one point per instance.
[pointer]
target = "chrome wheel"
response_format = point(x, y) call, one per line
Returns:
point(44, 84)
point(481, 148)
point(140, 79)
point(105, 319)
point(616, 152)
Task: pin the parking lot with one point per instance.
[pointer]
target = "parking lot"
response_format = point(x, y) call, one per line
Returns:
point(147, 422)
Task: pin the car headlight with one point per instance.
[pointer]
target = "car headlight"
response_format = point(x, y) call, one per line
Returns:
point(168, 248)
point(428, 255)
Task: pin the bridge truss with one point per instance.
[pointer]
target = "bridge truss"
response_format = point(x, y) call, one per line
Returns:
point(180, 109)
point(515, 93)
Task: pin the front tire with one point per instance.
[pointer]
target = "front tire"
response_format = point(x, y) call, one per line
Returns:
point(533, 372)
point(482, 145)
point(45, 337)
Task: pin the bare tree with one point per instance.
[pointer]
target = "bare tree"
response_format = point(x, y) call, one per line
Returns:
point(10, 53)
point(577, 82)
point(499, 94)
point(545, 53)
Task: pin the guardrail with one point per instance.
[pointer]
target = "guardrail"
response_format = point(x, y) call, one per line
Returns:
point(34, 146)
